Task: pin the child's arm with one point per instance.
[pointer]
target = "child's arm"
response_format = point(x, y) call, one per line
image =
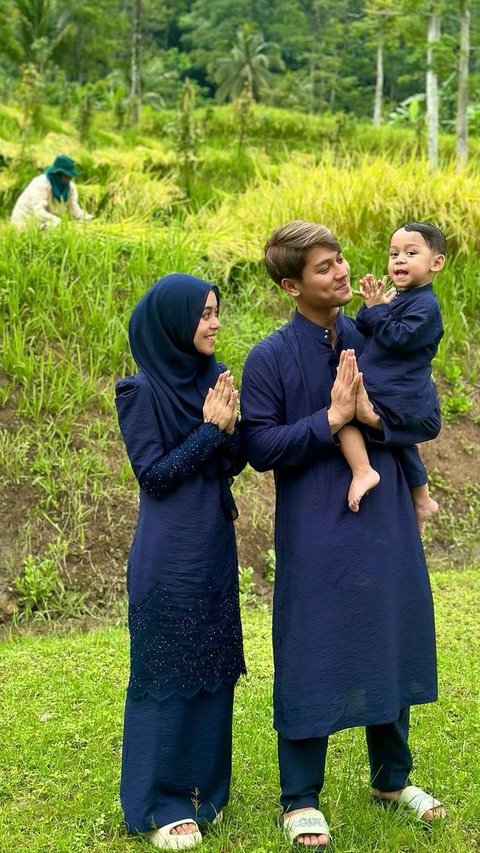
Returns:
point(420, 325)
point(373, 292)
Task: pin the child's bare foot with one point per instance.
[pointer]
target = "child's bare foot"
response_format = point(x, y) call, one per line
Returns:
point(424, 510)
point(363, 480)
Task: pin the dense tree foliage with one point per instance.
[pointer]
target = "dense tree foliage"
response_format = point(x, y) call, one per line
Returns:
point(361, 57)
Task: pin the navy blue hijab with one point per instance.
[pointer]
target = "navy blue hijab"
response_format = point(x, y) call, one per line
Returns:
point(161, 332)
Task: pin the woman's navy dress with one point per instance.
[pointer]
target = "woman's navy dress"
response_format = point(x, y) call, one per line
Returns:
point(353, 630)
point(184, 619)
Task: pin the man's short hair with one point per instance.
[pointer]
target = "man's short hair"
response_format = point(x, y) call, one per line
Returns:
point(287, 249)
point(433, 236)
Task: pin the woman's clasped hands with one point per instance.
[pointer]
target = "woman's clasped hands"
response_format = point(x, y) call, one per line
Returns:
point(220, 406)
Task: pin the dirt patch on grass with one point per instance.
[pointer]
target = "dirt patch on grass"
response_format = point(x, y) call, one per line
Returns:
point(455, 454)
point(254, 527)
point(16, 504)
point(96, 567)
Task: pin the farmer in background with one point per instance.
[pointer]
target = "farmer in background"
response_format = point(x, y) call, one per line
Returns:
point(45, 196)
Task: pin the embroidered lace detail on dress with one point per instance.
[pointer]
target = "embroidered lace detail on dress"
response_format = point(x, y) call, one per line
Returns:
point(183, 643)
point(182, 462)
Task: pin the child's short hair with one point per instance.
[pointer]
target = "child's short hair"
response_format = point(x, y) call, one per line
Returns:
point(286, 250)
point(433, 236)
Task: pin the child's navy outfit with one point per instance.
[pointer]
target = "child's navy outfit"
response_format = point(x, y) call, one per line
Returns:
point(402, 339)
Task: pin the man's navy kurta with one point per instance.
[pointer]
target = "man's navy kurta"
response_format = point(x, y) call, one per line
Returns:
point(353, 629)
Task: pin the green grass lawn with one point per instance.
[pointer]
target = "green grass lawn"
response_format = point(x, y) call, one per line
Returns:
point(61, 700)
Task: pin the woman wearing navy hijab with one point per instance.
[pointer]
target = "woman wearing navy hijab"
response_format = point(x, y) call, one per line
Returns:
point(177, 417)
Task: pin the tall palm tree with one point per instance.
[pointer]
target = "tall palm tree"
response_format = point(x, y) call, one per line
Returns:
point(246, 68)
point(39, 27)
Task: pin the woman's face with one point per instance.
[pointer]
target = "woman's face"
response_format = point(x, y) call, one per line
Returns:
point(204, 339)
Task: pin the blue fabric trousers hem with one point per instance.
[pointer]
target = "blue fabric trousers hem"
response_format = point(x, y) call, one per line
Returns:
point(302, 763)
point(176, 758)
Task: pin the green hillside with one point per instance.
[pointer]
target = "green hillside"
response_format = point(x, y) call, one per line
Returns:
point(66, 295)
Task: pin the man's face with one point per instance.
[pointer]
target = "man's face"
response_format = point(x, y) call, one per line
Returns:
point(411, 261)
point(65, 178)
point(325, 281)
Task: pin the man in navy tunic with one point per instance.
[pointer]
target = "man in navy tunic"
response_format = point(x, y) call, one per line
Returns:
point(353, 627)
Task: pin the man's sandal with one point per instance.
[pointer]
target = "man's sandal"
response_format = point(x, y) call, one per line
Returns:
point(308, 822)
point(416, 801)
point(165, 840)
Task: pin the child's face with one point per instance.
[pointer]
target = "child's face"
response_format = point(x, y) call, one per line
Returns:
point(411, 261)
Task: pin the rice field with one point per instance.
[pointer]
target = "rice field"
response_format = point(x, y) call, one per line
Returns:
point(66, 294)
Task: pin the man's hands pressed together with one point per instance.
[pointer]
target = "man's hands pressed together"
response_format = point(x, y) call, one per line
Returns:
point(344, 391)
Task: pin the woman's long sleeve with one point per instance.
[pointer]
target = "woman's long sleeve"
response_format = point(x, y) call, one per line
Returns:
point(156, 470)
point(188, 458)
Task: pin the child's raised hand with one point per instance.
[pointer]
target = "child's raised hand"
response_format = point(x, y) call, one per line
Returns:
point(374, 291)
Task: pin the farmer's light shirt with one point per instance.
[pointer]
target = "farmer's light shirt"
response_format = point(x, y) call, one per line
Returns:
point(37, 203)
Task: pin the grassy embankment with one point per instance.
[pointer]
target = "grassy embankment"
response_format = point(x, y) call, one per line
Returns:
point(60, 729)
point(66, 297)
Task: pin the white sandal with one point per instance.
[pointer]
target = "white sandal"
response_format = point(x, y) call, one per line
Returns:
point(308, 822)
point(419, 802)
point(163, 838)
